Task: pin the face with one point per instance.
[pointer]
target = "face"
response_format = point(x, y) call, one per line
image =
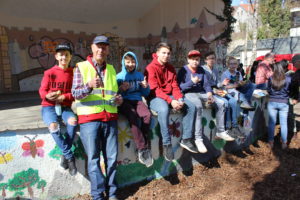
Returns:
point(163, 55)
point(129, 64)
point(63, 58)
point(194, 61)
point(100, 51)
point(271, 60)
point(210, 60)
point(232, 64)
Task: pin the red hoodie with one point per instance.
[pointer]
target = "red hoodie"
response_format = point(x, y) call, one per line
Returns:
point(162, 80)
point(56, 79)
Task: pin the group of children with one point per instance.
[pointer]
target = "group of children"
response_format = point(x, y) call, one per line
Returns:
point(194, 87)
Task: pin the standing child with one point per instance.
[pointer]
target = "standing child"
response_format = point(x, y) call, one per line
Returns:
point(279, 87)
point(132, 87)
point(55, 92)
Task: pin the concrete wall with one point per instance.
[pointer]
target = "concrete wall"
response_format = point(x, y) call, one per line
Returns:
point(27, 43)
point(35, 172)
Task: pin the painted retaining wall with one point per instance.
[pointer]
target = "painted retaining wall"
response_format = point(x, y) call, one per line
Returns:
point(29, 159)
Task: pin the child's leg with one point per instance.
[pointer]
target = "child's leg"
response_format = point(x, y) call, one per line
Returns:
point(71, 122)
point(233, 106)
point(144, 113)
point(128, 110)
point(247, 91)
point(283, 115)
point(51, 119)
point(162, 108)
point(195, 99)
point(220, 105)
point(272, 110)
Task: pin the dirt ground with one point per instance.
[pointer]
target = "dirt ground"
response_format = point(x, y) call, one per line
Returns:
point(258, 173)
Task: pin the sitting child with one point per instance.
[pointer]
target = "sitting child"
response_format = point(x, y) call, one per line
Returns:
point(133, 86)
point(236, 86)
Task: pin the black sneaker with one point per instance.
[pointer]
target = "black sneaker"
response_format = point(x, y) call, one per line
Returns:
point(145, 157)
point(64, 162)
point(188, 145)
point(72, 167)
point(168, 152)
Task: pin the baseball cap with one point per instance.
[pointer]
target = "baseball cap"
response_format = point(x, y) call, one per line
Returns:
point(296, 58)
point(194, 53)
point(101, 39)
point(66, 47)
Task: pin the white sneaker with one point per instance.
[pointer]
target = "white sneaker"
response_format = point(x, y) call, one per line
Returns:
point(200, 146)
point(224, 135)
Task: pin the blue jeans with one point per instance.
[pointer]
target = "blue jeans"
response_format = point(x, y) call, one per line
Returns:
point(231, 113)
point(273, 109)
point(100, 136)
point(162, 108)
point(246, 92)
point(262, 86)
point(64, 143)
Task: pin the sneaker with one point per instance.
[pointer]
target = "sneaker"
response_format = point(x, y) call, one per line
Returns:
point(145, 157)
point(246, 106)
point(200, 146)
point(188, 145)
point(64, 162)
point(224, 135)
point(113, 198)
point(237, 132)
point(168, 152)
point(72, 167)
point(283, 145)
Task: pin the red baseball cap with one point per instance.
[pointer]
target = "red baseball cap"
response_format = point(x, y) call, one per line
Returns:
point(194, 53)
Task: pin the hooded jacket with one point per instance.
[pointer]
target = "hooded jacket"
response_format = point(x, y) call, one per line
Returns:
point(162, 80)
point(134, 78)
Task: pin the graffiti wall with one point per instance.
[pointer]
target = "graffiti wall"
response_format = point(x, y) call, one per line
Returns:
point(27, 49)
point(29, 160)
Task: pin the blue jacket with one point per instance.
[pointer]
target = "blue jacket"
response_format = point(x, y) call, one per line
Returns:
point(187, 86)
point(135, 91)
point(282, 95)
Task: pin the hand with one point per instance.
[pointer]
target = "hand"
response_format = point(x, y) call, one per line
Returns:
point(176, 104)
point(226, 81)
point(124, 86)
point(195, 79)
point(118, 99)
point(60, 98)
point(294, 101)
point(144, 83)
point(96, 82)
point(52, 96)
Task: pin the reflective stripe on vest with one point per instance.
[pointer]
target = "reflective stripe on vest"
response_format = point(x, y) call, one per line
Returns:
point(106, 92)
point(94, 103)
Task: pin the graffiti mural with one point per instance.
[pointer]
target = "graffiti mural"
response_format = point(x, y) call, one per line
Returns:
point(33, 147)
point(25, 179)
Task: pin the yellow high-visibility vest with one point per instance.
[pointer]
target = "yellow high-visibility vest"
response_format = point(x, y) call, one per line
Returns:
point(100, 98)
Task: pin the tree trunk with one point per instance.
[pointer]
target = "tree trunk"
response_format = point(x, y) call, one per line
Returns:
point(30, 191)
point(3, 192)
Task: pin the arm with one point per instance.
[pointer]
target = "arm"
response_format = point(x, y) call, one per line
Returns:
point(44, 88)
point(175, 88)
point(80, 90)
point(184, 86)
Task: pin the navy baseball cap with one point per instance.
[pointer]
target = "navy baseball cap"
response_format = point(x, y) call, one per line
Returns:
point(101, 39)
point(65, 47)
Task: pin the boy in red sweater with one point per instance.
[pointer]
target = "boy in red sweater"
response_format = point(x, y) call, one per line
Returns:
point(165, 94)
point(55, 92)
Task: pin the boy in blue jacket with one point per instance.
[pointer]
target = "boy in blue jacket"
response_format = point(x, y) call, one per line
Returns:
point(133, 86)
